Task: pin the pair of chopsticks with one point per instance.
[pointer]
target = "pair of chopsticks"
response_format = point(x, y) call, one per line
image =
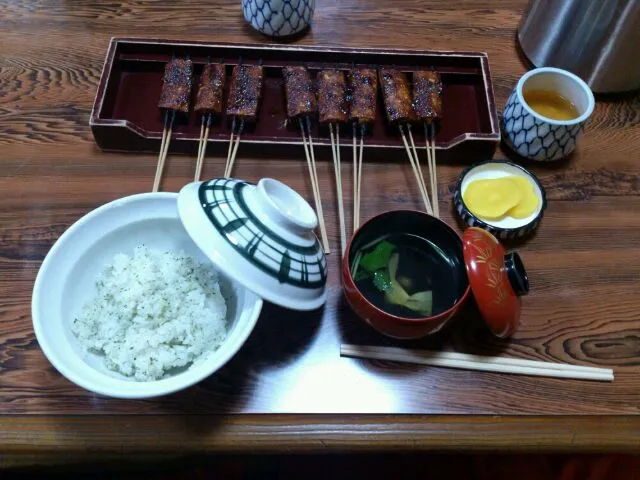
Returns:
point(431, 206)
point(477, 362)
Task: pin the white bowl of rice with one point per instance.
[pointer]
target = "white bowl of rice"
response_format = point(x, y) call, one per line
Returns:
point(126, 305)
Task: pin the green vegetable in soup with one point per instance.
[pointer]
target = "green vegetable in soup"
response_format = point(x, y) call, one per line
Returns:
point(378, 258)
point(381, 264)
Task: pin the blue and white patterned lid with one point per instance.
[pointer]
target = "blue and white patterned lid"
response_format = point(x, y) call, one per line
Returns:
point(260, 235)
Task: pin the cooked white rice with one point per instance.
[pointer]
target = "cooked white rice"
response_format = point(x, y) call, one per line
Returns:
point(153, 312)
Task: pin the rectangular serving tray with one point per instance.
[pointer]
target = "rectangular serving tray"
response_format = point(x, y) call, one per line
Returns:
point(125, 115)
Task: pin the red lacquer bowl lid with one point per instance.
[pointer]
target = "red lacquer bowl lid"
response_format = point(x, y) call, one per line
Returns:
point(497, 280)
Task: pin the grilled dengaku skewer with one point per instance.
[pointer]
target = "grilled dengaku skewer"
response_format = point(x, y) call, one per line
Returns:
point(363, 84)
point(298, 87)
point(427, 103)
point(332, 110)
point(301, 105)
point(399, 110)
point(245, 92)
point(174, 97)
point(208, 103)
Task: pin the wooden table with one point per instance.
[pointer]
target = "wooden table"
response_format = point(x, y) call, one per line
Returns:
point(583, 262)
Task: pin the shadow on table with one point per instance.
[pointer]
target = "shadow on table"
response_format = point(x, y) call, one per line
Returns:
point(279, 338)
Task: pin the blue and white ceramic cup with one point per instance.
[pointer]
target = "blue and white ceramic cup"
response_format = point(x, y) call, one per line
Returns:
point(536, 137)
point(279, 18)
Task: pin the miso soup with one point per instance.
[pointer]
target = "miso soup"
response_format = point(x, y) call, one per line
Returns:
point(407, 275)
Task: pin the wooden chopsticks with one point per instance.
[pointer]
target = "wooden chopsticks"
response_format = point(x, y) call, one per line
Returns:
point(477, 362)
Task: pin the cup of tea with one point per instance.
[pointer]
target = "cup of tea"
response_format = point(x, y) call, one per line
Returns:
point(546, 114)
point(279, 18)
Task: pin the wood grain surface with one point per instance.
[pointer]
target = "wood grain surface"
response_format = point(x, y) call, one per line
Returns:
point(583, 263)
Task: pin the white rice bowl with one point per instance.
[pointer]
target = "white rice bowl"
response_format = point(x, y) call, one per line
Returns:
point(66, 283)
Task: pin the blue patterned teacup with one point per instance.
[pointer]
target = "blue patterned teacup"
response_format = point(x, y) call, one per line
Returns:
point(536, 137)
point(279, 18)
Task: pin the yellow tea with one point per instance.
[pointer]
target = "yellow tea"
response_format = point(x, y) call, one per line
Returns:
point(551, 104)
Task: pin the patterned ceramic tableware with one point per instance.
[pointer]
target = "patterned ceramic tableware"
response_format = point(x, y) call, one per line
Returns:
point(279, 18)
point(260, 235)
point(507, 227)
point(536, 137)
point(479, 266)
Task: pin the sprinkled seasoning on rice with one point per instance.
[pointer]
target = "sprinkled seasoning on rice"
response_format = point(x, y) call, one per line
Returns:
point(153, 312)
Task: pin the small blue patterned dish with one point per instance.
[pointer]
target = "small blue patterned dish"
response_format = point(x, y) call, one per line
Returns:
point(507, 227)
point(279, 18)
point(261, 236)
point(539, 138)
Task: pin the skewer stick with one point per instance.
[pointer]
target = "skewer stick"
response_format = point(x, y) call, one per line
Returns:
point(416, 157)
point(203, 153)
point(343, 229)
point(425, 197)
point(478, 362)
point(230, 151)
point(164, 148)
point(308, 146)
point(429, 160)
point(356, 206)
point(202, 122)
point(235, 149)
point(433, 169)
point(196, 175)
point(360, 169)
point(335, 146)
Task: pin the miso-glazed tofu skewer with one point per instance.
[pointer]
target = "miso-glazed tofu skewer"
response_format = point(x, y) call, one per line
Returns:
point(208, 103)
point(363, 84)
point(301, 106)
point(332, 110)
point(174, 97)
point(399, 111)
point(245, 91)
point(427, 104)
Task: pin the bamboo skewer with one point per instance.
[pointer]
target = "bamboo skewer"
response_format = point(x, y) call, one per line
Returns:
point(430, 136)
point(232, 153)
point(357, 175)
point(356, 196)
point(335, 147)
point(360, 169)
point(417, 160)
point(419, 180)
point(478, 362)
point(164, 148)
point(313, 174)
point(202, 123)
point(202, 150)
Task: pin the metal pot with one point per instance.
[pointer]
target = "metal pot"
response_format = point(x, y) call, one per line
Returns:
point(597, 40)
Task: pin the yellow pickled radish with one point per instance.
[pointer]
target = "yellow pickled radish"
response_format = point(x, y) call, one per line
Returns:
point(492, 198)
point(529, 202)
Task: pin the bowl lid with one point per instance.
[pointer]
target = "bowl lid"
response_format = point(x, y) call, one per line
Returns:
point(260, 235)
point(497, 280)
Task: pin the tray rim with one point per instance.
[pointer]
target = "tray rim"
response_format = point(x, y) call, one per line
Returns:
point(95, 121)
